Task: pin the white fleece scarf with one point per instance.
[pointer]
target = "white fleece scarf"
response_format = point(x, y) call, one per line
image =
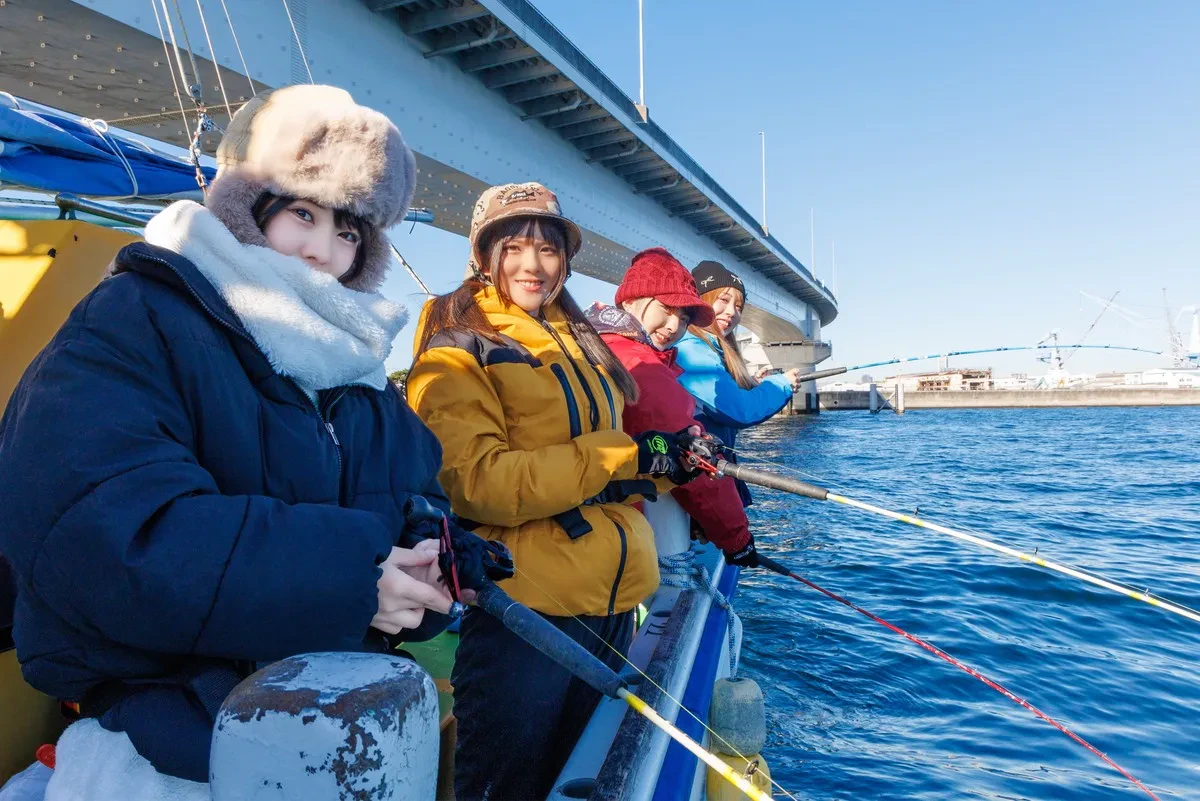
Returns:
point(311, 328)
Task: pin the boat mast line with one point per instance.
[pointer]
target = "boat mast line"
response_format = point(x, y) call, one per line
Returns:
point(771, 564)
point(535, 630)
point(763, 478)
point(648, 679)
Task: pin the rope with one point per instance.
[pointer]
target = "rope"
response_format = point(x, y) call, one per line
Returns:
point(238, 46)
point(412, 273)
point(170, 68)
point(178, 58)
point(680, 570)
point(197, 89)
point(100, 128)
point(216, 64)
point(299, 44)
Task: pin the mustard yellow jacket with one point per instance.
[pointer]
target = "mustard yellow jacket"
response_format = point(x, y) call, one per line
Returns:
point(521, 444)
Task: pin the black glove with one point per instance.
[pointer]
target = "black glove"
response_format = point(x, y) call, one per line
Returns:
point(746, 557)
point(659, 455)
point(476, 560)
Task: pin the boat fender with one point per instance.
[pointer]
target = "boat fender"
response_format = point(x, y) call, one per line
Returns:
point(738, 716)
point(329, 725)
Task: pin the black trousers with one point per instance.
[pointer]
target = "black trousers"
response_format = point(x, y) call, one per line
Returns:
point(519, 714)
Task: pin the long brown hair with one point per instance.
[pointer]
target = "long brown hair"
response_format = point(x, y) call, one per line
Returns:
point(459, 310)
point(731, 353)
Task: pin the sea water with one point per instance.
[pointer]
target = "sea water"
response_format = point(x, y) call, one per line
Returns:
point(857, 711)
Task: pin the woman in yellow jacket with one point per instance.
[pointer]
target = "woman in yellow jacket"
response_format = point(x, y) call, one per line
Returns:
point(526, 400)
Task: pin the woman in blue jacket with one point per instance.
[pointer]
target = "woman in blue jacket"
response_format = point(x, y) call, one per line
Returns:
point(207, 467)
point(728, 397)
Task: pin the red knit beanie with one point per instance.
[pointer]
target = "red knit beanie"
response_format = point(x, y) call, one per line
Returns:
point(655, 273)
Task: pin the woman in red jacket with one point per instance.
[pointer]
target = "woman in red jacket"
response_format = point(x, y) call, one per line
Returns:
point(655, 303)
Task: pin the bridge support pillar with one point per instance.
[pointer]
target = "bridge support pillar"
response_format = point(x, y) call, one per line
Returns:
point(803, 356)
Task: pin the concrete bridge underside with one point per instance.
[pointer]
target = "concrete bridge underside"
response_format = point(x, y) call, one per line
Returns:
point(485, 91)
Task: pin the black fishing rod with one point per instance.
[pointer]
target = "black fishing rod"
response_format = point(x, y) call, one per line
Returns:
point(771, 564)
point(557, 646)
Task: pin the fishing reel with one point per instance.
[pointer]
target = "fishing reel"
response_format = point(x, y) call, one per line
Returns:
point(701, 453)
point(467, 561)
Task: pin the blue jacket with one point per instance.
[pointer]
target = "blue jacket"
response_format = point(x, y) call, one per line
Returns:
point(723, 407)
point(175, 511)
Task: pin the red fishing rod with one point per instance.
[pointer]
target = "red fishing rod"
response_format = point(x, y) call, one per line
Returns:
point(764, 561)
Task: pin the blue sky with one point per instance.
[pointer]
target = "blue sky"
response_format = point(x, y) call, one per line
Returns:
point(977, 164)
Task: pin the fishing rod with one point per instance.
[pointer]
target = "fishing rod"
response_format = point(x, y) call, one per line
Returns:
point(839, 370)
point(557, 646)
point(769, 480)
point(772, 565)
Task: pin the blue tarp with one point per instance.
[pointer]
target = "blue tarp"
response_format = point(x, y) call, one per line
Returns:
point(53, 153)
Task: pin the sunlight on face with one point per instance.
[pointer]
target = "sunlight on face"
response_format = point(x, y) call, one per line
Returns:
point(530, 269)
point(665, 325)
point(728, 309)
point(309, 232)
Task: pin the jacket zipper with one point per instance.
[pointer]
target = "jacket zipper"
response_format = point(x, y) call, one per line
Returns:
point(612, 409)
point(337, 445)
point(572, 407)
point(593, 409)
point(612, 598)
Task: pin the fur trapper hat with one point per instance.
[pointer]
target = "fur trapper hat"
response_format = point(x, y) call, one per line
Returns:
point(317, 144)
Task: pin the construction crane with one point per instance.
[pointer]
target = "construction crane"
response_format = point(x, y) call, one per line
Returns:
point(1179, 354)
point(1192, 354)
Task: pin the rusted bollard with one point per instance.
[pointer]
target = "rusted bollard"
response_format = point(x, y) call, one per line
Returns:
point(328, 726)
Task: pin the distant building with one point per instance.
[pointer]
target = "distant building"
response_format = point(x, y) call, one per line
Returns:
point(1016, 381)
point(1169, 377)
point(956, 380)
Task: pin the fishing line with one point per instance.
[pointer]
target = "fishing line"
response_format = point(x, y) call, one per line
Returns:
point(978, 538)
point(643, 674)
point(773, 481)
point(933, 649)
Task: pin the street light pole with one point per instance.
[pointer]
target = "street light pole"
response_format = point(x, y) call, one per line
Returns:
point(642, 110)
point(763, 136)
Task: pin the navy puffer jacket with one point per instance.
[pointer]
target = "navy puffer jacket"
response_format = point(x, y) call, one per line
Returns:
point(172, 506)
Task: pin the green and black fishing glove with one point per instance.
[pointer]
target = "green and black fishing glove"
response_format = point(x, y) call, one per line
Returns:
point(659, 454)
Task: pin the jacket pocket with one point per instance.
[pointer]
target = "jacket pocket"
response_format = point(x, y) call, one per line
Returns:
point(572, 406)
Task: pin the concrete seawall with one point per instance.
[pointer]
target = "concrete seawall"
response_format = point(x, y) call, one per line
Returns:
point(1019, 399)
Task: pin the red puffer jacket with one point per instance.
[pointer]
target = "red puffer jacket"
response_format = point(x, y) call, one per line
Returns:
point(664, 405)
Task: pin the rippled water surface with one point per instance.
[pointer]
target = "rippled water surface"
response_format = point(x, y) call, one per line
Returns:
point(856, 711)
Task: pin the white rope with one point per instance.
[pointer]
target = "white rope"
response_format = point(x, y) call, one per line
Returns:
point(299, 44)
point(680, 570)
point(171, 69)
point(238, 46)
point(198, 86)
point(100, 128)
point(178, 62)
point(216, 64)
point(411, 271)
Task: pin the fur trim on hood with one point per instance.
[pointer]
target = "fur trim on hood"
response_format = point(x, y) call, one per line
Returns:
point(615, 320)
point(315, 143)
point(310, 327)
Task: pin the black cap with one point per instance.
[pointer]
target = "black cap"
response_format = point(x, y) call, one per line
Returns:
point(710, 275)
